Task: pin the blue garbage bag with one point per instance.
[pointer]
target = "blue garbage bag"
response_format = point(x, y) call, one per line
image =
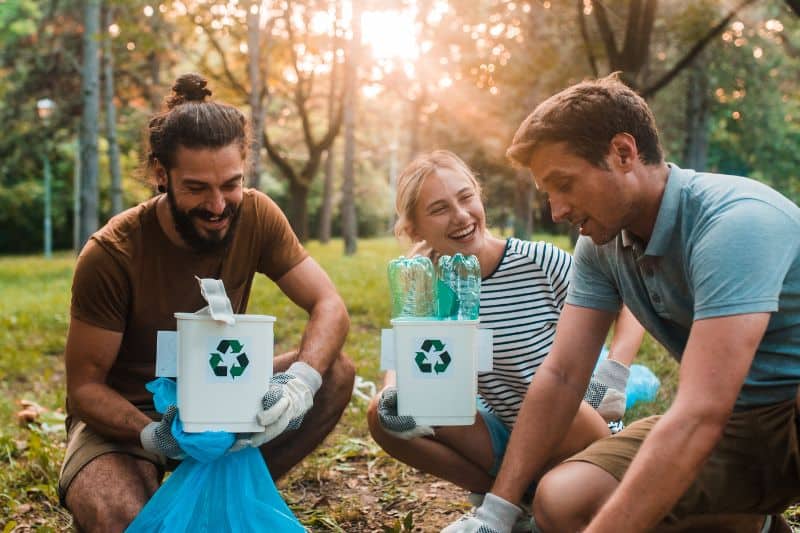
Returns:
point(642, 384)
point(212, 491)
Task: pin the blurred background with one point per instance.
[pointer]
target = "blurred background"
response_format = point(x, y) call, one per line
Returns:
point(342, 93)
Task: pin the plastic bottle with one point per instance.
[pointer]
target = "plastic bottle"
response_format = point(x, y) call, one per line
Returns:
point(458, 287)
point(411, 284)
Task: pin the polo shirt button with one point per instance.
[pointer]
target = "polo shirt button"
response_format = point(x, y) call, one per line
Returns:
point(656, 298)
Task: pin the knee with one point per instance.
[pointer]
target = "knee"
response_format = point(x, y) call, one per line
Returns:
point(556, 506)
point(109, 517)
point(337, 383)
point(373, 423)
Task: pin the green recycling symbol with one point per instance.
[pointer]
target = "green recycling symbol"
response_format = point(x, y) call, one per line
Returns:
point(235, 370)
point(430, 350)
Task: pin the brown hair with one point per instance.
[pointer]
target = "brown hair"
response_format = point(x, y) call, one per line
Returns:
point(192, 122)
point(410, 181)
point(587, 116)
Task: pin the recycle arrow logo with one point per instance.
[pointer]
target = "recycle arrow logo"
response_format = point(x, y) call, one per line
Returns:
point(432, 350)
point(218, 365)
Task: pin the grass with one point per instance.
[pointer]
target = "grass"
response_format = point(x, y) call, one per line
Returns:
point(342, 487)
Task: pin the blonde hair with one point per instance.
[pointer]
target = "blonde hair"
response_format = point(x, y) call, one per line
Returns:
point(410, 180)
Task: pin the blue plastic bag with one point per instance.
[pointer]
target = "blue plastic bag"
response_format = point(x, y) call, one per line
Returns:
point(642, 384)
point(211, 491)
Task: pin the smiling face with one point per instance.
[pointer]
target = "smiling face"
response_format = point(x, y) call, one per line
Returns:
point(204, 191)
point(449, 214)
point(596, 200)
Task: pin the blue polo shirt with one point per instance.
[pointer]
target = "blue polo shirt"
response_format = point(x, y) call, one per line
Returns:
point(721, 245)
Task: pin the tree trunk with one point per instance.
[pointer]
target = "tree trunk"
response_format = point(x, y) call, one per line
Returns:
point(298, 208)
point(695, 147)
point(111, 117)
point(326, 210)
point(255, 97)
point(349, 226)
point(90, 89)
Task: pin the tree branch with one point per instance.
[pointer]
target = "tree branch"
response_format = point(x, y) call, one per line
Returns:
point(226, 68)
point(694, 52)
point(606, 34)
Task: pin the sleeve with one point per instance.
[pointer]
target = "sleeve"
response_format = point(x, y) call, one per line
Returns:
point(280, 249)
point(740, 259)
point(556, 265)
point(591, 284)
point(100, 289)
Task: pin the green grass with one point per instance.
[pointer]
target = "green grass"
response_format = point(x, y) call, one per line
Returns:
point(33, 324)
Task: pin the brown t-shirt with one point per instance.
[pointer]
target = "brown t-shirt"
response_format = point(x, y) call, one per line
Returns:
point(131, 278)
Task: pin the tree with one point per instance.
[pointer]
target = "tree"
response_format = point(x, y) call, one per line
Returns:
point(349, 228)
point(111, 115)
point(90, 90)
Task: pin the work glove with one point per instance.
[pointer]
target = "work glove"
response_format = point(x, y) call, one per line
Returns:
point(495, 515)
point(157, 437)
point(402, 427)
point(606, 391)
point(288, 399)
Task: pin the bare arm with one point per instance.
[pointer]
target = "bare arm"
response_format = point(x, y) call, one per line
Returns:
point(627, 338)
point(307, 285)
point(716, 361)
point(552, 399)
point(90, 353)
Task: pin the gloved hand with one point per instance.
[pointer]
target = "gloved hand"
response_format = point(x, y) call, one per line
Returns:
point(495, 515)
point(157, 437)
point(289, 397)
point(606, 391)
point(402, 427)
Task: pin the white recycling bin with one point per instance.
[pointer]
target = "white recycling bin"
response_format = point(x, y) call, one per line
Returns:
point(224, 365)
point(436, 362)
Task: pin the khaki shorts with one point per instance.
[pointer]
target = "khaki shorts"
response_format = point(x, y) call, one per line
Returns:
point(85, 445)
point(755, 468)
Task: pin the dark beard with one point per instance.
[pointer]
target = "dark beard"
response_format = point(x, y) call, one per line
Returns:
point(186, 229)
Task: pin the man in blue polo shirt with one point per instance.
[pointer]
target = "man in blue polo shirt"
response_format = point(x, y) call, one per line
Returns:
point(710, 266)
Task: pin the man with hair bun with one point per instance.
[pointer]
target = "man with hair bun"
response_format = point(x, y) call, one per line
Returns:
point(710, 266)
point(139, 269)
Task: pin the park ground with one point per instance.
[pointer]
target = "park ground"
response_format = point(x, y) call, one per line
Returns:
point(347, 485)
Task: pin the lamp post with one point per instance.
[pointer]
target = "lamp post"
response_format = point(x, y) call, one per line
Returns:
point(45, 108)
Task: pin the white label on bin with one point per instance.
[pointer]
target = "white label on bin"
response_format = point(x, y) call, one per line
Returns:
point(431, 358)
point(387, 350)
point(167, 354)
point(228, 361)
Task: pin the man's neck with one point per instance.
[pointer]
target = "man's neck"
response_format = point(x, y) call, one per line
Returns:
point(653, 182)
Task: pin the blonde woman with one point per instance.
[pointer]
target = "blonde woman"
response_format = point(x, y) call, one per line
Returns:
point(524, 284)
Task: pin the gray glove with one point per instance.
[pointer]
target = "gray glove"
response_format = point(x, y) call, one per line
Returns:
point(606, 391)
point(402, 427)
point(157, 437)
point(495, 515)
point(288, 399)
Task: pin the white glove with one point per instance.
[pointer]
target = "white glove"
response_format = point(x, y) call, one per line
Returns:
point(402, 427)
point(495, 515)
point(606, 391)
point(157, 437)
point(288, 399)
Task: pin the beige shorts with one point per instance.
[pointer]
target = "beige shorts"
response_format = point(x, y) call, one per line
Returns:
point(755, 468)
point(85, 445)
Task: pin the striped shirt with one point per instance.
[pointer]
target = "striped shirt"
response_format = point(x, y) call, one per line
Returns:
point(521, 301)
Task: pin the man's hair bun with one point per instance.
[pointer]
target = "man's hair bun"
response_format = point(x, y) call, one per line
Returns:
point(188, 88)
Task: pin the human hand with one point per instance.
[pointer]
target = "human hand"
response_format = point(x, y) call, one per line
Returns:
point(402, 427)
point(495, 515)
point(606, 391)
point(157, 437)
point(289, 397)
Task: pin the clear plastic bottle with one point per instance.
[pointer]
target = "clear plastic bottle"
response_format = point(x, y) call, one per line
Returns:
point(411, 283)
point(458, 287)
